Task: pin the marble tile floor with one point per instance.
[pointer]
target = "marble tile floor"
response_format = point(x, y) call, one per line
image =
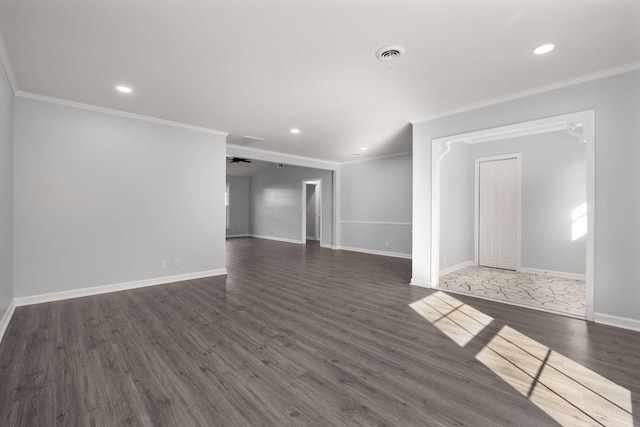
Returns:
point(550, 293)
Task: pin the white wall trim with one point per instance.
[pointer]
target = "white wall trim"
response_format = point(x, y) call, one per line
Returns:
point(456, 267)
point(347, 221)
point(8, 70)
point(230, 236)
point(617, 321)
point(4, 322)
point(547, 88)
point(374, 252)
point(120, 113)
point(420, 283)
point(327, 246)
point(318, 202)
point(278, 157)
point(97, 290)
point(368, 159)
point(337, 189)
point(575, 276)
point(277, 239)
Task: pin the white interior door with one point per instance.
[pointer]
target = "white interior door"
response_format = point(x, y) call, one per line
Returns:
point(498, 204)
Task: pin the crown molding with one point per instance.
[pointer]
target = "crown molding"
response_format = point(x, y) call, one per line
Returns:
point(547, 88)
point(95, 108)
point(404, 153)
point(4, 60)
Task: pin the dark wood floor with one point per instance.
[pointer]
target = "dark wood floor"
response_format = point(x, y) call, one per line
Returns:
point(294, 335)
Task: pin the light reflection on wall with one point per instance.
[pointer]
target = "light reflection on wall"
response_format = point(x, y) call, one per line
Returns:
point(277, 196)
point(579, 222)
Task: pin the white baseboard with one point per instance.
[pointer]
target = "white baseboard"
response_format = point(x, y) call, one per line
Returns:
point(456, 267)
point(374, 252)
point(278, 239)
point(617, 321)
point(420, 283)
point(574, 276)
point(4, 322)
point(312, 238)
point(96, 290)
point(327, 246)
point(230, 236)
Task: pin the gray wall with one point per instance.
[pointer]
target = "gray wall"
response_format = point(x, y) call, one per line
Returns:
point(456, 207)
point(276, 202)
point(101, 199)
point(554, 183)
point(375, 204)
point(616, 101)
point(6, 193)
point(238, 205)
point(311, 211)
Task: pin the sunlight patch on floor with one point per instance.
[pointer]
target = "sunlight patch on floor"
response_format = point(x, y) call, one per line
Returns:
point(457, 320)
point(564, 389)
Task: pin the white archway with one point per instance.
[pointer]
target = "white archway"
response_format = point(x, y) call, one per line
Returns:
point(581, 125)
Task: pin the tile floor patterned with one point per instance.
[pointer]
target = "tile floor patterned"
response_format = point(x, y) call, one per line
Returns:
point(566, 296)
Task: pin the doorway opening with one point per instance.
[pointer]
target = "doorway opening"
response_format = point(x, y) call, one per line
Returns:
point(498, 230)
point(311, 210)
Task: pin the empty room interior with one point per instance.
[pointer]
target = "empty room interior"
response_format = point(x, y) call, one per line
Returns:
point(333, 213)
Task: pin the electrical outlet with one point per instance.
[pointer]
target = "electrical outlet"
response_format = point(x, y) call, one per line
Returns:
point(386, 244)
point(176, 262)
point(444, 259)
point(163, 264)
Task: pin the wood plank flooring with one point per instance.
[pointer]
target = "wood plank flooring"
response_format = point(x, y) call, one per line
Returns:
point(295, 335)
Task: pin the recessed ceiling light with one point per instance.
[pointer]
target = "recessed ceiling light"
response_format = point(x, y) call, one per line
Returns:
point(124, 89)
point(364, 148)
point(545, 48)
point(294, 130)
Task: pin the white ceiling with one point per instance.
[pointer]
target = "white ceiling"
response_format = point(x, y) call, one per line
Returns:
point(259, 68)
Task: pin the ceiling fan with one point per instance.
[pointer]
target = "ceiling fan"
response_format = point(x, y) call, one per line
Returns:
point(238, 160)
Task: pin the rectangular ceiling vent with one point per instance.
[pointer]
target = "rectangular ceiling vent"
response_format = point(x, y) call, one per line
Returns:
point(243, 140)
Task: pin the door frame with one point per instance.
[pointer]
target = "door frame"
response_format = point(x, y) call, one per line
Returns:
point(476, 219)
point(318, 183)
point(579, 124)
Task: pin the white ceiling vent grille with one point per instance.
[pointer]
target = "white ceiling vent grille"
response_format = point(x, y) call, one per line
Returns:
point(390, 53)
point(243, 140)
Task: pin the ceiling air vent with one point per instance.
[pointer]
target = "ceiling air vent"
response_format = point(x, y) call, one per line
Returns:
point(390, 53)
point(243, 140)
